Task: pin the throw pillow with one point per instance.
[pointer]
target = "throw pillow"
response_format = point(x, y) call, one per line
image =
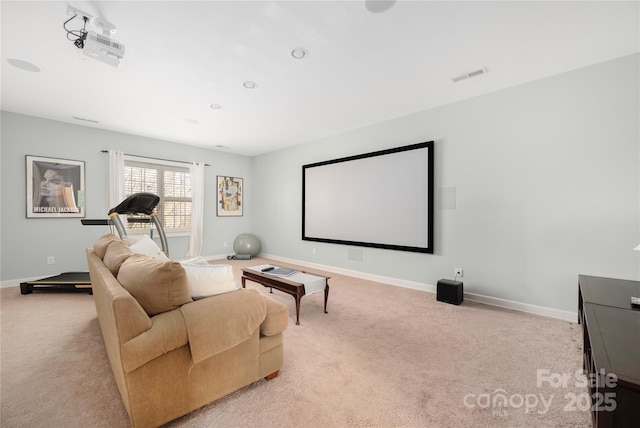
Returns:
point(117, 252)
point(206, 280)
point(101, 245)
point(158, 286)
point(145, 245)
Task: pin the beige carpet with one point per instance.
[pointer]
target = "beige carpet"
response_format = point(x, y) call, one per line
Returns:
point(383, 356)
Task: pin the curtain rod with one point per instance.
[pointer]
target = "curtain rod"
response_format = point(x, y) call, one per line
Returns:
point(159, 159)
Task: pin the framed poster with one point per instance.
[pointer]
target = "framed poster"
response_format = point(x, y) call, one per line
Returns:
point(229, 196)
point(55, 188)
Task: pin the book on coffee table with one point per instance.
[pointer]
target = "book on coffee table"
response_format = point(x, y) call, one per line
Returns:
point(281, 271)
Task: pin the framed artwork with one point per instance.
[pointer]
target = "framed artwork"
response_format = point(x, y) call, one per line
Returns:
point(229, 196)
point(55, 188)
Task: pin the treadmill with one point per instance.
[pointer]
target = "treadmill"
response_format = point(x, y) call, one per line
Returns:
point(139, 204)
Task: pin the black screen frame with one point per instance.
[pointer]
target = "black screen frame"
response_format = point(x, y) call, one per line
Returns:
point(428, 249)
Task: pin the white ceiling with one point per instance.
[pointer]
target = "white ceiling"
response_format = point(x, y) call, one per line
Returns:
point(362, 67)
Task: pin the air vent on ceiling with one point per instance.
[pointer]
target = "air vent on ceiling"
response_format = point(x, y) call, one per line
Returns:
point(84, 120)
point(470, 74)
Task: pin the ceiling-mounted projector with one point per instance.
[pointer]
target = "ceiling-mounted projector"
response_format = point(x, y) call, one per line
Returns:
point(92, 44)
point(104, 49)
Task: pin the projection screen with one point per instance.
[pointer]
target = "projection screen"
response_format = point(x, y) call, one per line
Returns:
point(382, 199)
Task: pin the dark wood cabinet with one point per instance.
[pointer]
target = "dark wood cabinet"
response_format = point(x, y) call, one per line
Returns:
point(611, 349)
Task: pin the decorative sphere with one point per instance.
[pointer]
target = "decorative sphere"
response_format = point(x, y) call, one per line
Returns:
point(247, 243)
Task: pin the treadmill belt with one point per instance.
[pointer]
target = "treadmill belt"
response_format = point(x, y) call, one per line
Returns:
point(68, 281)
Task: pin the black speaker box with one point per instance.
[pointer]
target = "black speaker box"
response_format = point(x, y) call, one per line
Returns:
point(449, 291)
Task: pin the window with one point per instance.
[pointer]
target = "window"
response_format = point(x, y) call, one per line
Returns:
point(173, 185)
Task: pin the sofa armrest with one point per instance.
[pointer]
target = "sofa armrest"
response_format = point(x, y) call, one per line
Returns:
point(277, 319)
point(220, 322)
point(168, 332)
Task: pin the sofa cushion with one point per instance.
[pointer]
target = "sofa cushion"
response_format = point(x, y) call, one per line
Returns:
point(145, 245)
point(277, 319)
point(158, 286)
point(117, 252)
point(207, 280)
point(100, 247)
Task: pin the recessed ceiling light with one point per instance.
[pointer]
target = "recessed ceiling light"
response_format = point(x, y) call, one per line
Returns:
point(299, 53)
point(249, 84)
point(379, 6)
point(215, 106)
point(23, 65)
point(191, 121)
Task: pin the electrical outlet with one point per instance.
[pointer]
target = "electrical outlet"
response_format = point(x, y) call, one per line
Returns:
point(51, 260)
point(457, 272)
point(225, 244)
point(313, 251)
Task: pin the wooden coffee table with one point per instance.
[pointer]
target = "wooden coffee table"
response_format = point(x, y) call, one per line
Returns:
point(293, 285)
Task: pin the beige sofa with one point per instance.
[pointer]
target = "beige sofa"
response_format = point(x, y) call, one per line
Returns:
point(171, 354)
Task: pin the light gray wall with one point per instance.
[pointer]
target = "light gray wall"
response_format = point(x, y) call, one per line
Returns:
point(535, 184)
point(26, 243)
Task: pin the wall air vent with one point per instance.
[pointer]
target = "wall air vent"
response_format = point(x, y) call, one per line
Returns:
point(470, 74)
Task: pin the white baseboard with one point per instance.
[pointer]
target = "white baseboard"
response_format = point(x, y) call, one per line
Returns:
point(523, 307)
point(479, 298)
